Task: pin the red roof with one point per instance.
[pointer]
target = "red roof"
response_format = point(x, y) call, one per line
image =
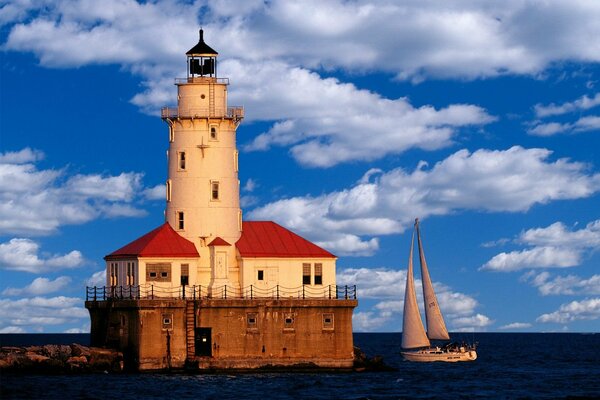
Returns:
point(219, 242)
point(268, 239)
point(161, 242)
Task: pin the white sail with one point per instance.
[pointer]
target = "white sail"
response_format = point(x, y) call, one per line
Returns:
point(436, 328)
point(413, 332)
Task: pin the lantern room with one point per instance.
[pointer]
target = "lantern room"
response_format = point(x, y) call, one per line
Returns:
point(202, 60)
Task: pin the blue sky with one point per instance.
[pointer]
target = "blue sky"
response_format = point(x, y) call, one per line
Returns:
point(481, 118)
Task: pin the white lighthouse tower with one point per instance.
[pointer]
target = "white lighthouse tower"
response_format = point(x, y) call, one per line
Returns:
point(203, 201)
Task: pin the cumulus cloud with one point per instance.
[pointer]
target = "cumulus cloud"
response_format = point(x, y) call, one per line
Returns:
point(588, 309)
point(581, 104)
point(329, 128)
point(23, 255)
point(564, 285)
point(387, 287)
point(515, 326)
point(583, 124)
point(474, 323)
point(38, 202)
point(552, 247)
point(33, 314)
point(39, 286)
point(309, 113)
point(97, 279)
point(510, 180)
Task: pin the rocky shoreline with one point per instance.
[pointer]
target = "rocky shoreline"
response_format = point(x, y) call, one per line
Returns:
point(75, 358)
point(60, 359)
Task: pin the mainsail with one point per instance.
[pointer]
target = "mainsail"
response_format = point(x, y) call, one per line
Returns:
point(413, 332)
point(436, 328)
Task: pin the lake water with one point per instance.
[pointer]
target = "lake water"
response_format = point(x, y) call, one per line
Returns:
point(510, 365)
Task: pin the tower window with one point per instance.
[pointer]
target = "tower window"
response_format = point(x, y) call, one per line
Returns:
point(261, 275)
point(214, 190)
point(182, 160)
point(168, 190)
point(180, 220)
point(213, 132)
point(114, 276)
point(318, 274)
point(306, 274)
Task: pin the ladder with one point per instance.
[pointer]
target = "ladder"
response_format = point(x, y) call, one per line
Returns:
point(211, 99)
point(190, 325)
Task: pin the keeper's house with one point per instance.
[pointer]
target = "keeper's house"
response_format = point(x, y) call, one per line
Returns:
point(207, 289)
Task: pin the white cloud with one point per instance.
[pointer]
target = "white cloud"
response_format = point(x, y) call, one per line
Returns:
point(323, 120)
point(39, 286)
point(471, 324)
point(97, 279)
point(22, 255)
point(24, 156)
point(38, 202)
point(516, 326)
point(588, 309)
point(583, 103)
point(250, 185)
point(36, 313)
point(157, 192)
point(538, 257)
point(553, 247)
point(583, 124)
point(322, 135)
point(565, 285)
point(485, 180)
point(12, 329)
point(387, 287)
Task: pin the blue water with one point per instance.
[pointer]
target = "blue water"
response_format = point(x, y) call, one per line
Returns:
point(510, 365)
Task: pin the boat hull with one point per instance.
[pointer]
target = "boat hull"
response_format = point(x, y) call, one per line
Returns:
point(436, 354)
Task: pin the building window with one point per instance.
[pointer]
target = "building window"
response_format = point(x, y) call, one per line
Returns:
point(167, 321)
point(185, 274)
point(158, 272)
point(261, 275)
point(214, 190)
point(180, 220)
point(318, 274)
point(130, 273)
point(251, 320)
point(114, 274)
point(235, 161)
point(213, 132)
point(306, 274)
point(182, 160)
point(328, 321)
point(168, 190)
point(288, 321)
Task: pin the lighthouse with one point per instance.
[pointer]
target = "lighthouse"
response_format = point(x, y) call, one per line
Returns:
point(207, 289)
point(203, 189)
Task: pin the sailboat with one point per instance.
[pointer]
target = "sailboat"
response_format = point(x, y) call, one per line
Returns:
point(416, 345)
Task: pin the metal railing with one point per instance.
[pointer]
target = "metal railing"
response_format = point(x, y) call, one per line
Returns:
point(199, 292)
point(234, 112)
point(202, 79)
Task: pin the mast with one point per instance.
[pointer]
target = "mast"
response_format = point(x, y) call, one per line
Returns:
point(436, 328)
point(413, 332)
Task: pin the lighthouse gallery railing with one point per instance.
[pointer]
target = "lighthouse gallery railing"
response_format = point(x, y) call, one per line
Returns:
point(199, 292)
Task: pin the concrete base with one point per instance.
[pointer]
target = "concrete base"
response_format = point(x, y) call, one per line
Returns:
point(222, 334)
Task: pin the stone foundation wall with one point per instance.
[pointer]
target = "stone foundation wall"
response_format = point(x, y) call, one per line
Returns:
point(228, 333)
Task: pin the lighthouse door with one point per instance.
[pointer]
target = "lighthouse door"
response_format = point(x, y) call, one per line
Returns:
point(203, 342)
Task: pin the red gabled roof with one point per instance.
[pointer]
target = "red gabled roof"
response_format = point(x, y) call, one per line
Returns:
point(161, 242)
point(219, 242)
point(268, 239)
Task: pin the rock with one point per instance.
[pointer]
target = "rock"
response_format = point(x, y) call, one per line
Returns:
point(55, 359)
point(364, 363)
